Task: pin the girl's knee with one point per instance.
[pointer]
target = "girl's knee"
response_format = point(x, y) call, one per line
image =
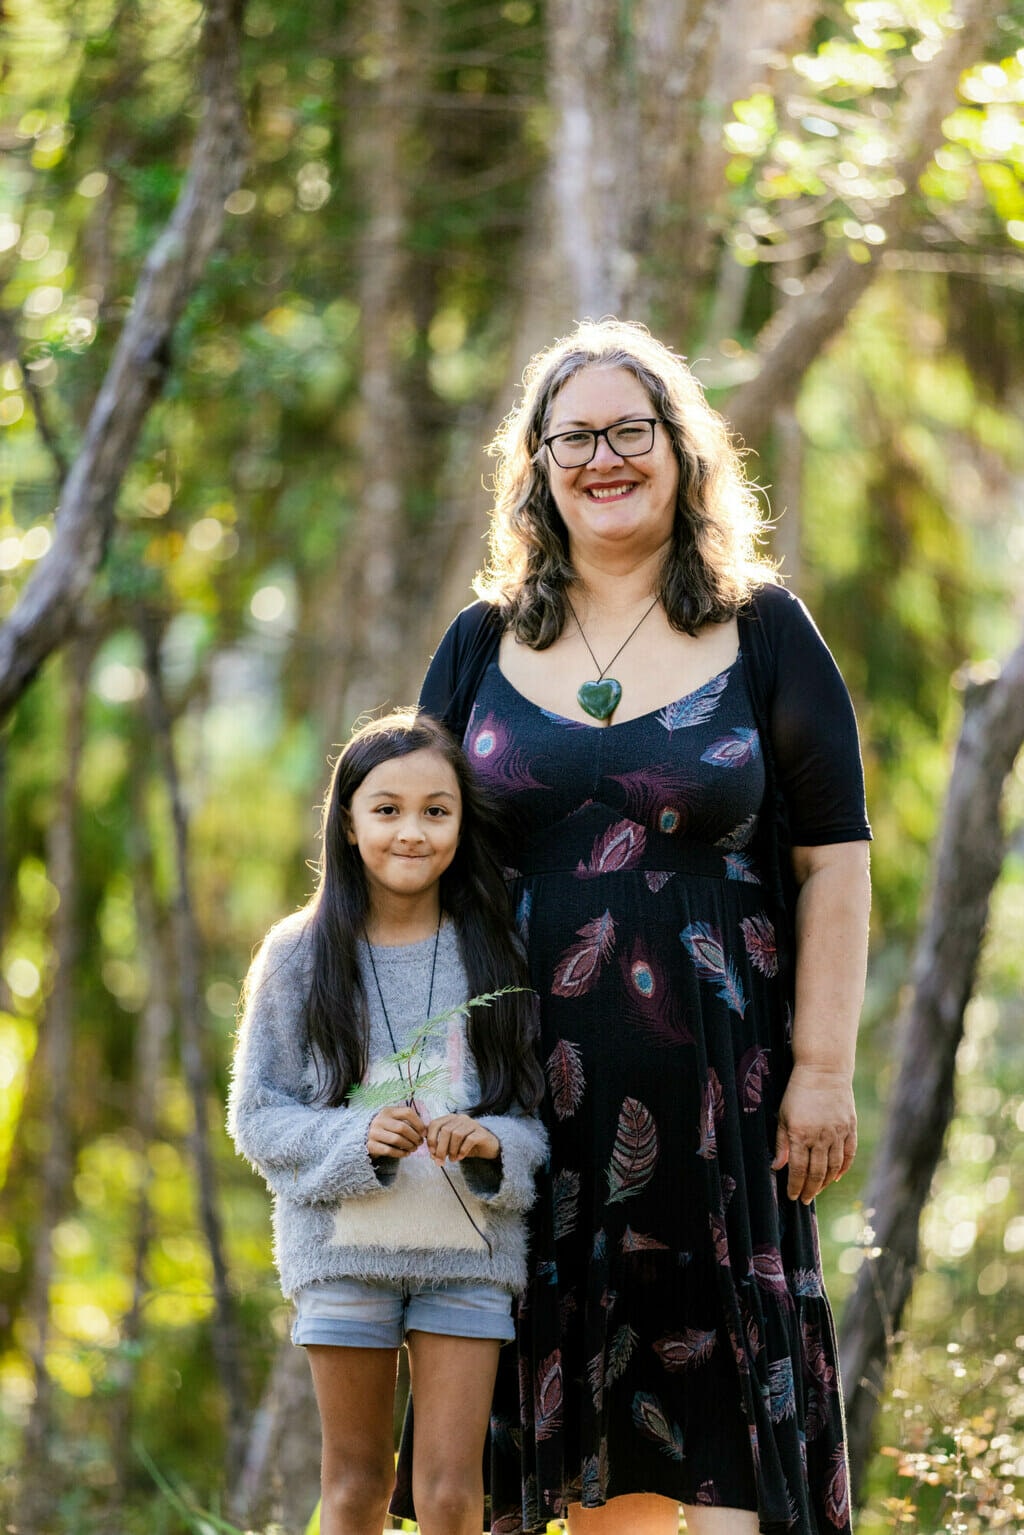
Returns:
point(447, 1500)
point(355, 1493)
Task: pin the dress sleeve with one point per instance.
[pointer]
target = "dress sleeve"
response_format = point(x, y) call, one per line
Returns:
point(814, 733)
point(455, 673)
point(439, 683)
point(307, 1154)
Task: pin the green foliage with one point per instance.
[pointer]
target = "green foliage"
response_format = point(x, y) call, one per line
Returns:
point(232, 528)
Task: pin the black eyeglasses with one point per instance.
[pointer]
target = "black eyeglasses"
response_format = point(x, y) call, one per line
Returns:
point(629, 439)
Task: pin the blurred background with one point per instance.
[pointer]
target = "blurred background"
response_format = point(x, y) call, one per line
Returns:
point(270, 275)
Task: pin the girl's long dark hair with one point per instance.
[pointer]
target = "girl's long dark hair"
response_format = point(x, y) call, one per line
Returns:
point(473, 896)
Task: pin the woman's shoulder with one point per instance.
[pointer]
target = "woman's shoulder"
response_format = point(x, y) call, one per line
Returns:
point(770, 601)
point(478, 619)
point(779, 614)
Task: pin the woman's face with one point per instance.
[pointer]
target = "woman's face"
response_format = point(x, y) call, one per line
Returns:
point(612, 504)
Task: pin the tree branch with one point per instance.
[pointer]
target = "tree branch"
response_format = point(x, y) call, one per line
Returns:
point(804, 325)
point(10, 351)
point(971, 850)
point(138, 369)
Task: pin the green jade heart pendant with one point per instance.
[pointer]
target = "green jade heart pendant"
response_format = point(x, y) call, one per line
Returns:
point(599, 699)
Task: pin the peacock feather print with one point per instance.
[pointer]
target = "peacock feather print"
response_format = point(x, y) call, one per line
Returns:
point(759, 941)
point(751, 1074)
point(767, 1272)
point(634, 1153)
point(712, 1108)
point(547, 1403)
point(620, 1352)
point(703, 942)
point(720, 1241)
point(523, 916)
point(636, 1242)
point(781, 1389)
point(680, 1350)
point(595, 1379)
point(649, 1417)
point(734, 841)
point(580, 964)
point(506, 1436)
point(492, 750)
point(837, 1493)
point(565, 1190)
point(816, 1360)
point(735, 750)
point(649, 1002)
point(620, 847)
point(739, 867)
point(564, 1071)
point(658, 796)
point(696, 707)
point(738, 1351)
point(594, 1482)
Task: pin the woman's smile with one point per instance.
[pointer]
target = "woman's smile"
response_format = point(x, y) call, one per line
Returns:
point(610, 492)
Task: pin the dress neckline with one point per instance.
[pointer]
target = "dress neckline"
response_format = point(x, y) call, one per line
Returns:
point(552, 714)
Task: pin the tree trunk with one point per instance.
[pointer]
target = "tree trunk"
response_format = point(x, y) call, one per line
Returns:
point(40, 1491)
point(280, 1480)
point(626, 121)
point(156, 1024)
point(46, 611)
point(226, 1343)
point(369, 605)
point(971, 849)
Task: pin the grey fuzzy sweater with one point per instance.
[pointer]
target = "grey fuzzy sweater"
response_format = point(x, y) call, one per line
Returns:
point(338, 1213)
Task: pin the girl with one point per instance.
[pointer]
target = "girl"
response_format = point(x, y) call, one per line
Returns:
point(401, 1222)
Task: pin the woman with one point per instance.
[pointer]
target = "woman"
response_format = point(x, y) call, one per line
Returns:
point(689, 864)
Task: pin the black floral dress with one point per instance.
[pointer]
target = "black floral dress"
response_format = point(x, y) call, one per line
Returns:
point(675, 1337)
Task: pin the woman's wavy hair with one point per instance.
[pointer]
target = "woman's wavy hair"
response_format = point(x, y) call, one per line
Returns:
point(473, 896)
point(714, 563)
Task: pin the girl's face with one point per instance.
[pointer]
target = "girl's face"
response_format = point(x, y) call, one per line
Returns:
point(628, 504)
point(405, 819)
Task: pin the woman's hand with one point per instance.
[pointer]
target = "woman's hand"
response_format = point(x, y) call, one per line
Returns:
point(452, 1137)
point(395, 1131)
point(817, 1134)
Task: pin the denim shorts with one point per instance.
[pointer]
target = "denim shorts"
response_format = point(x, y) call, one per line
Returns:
point(374, 1313)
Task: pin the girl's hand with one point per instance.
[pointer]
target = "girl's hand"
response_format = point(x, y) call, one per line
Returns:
point(395, 1132)
point(452, 1137)
point(817, 1133)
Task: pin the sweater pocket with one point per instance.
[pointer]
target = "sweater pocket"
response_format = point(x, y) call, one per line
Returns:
point(420, 1209)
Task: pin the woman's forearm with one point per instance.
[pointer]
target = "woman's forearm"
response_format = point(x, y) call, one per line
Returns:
point(832, 913)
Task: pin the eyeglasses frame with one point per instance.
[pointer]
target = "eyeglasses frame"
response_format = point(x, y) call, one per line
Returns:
point(651, 421)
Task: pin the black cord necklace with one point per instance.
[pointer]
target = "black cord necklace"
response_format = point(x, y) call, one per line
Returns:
point(600, 698)
point(384, 1009)
point(419, 1065)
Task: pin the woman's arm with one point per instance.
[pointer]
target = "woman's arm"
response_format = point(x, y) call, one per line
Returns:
point(817, 1132)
